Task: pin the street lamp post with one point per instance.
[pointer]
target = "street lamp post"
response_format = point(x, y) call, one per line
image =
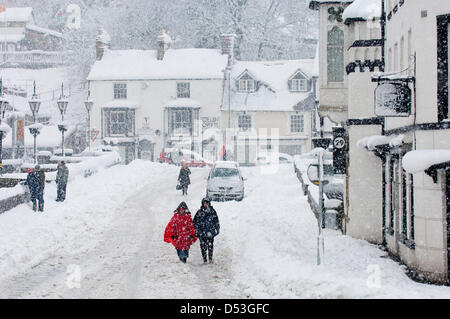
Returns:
point(62, 106)
point(35, 104)
point(88, 104)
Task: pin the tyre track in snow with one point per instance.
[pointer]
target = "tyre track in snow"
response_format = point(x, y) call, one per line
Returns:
point(129, 259)
point(164, 276)
point(104, 267)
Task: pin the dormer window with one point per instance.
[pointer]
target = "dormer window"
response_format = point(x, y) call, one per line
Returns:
point(246, 83)
point(298, 82)
point(298, 85)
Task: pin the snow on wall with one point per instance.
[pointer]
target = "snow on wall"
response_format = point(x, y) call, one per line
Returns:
point(83, 169)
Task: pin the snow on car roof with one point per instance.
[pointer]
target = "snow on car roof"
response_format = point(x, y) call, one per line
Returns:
point(226, 164)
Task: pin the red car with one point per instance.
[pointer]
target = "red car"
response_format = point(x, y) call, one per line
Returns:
point(178, 156)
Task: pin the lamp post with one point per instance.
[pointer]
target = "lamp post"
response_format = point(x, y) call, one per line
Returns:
point(35, 104)
point(88, 104)
point(62, 106)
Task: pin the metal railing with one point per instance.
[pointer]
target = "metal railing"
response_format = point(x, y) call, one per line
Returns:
point(33, 58)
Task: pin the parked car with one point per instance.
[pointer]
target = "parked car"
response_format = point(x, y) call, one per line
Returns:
point(177, 156)
point(225, 181)
point(274, 158)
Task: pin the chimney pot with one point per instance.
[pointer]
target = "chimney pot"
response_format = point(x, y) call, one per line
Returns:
point(102, 43)
point(227, 45)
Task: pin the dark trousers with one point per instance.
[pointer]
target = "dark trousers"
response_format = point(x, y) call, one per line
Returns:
point(61, 192)
point(207, 247)
point(183, 254)
point(38, 196)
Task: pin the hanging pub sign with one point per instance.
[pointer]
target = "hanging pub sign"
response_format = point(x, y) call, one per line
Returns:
point(393, 99)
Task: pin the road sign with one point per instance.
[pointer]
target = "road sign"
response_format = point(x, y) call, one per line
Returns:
point(93, 134)
point(339, 150)
point(339, 142)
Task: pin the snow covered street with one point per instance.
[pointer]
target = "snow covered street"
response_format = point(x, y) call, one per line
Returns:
point(106, 241)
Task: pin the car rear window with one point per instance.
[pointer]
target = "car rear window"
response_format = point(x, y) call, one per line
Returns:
point(225, 172)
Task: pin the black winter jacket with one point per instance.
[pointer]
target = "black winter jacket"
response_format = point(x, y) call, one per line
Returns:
point(183, 177)
point(206, 223)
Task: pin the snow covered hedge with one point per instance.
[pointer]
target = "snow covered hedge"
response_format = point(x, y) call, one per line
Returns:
point(11, 197)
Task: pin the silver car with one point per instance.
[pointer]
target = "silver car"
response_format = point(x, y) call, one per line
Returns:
point(225, 181)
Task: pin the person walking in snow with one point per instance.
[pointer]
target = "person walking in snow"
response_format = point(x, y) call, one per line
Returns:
point(33, 185)
point(180, 231)
point(41, 178)
point(183, 178)
point(61, 181)
point(207, 226)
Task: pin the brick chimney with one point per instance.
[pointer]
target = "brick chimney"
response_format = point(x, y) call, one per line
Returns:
point(163, 42)
point(227, 45)
point(102, 43)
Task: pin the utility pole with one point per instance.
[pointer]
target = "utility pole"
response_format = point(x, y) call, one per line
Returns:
point(320, 240)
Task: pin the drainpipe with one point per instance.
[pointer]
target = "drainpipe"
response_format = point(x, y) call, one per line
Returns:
point(383, 35)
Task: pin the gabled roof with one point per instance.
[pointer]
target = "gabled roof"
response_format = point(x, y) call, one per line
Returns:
point(177, 64)
point(17, 14)
point(301, 72)
point(274, 94)
point(44, 31)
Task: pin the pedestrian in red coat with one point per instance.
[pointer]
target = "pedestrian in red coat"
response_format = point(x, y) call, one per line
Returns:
point(181, 232)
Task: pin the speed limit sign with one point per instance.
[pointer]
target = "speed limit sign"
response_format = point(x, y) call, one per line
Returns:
point(339, 142)
point(339, 150)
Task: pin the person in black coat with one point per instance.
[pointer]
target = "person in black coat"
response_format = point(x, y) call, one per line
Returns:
point(207, 226)
point(41, 177)
point(183, 178)
point(33, 186)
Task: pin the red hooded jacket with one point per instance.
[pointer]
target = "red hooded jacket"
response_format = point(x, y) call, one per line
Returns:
point(181, 228)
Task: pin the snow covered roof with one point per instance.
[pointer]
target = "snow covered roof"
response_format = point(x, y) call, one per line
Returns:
point(314, 4)
point(143, 65)
point(182, 102)
point(16, 14)
point(44, 31)
point(421, 160)
point(363, 9)
point(121, 104)
point(371, 142)
point(273, 94)
point(15, 37)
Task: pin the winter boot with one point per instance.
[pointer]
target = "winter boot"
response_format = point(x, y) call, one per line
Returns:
point(34, 205)
point(41, 206)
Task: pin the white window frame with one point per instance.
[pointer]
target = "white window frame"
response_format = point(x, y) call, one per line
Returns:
point(244, 125)
point(183, 90)
point(129, 116)
point(298, 121)
point(246, 85)
point(120, 91)
point(181, 122)
point(299, 85)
